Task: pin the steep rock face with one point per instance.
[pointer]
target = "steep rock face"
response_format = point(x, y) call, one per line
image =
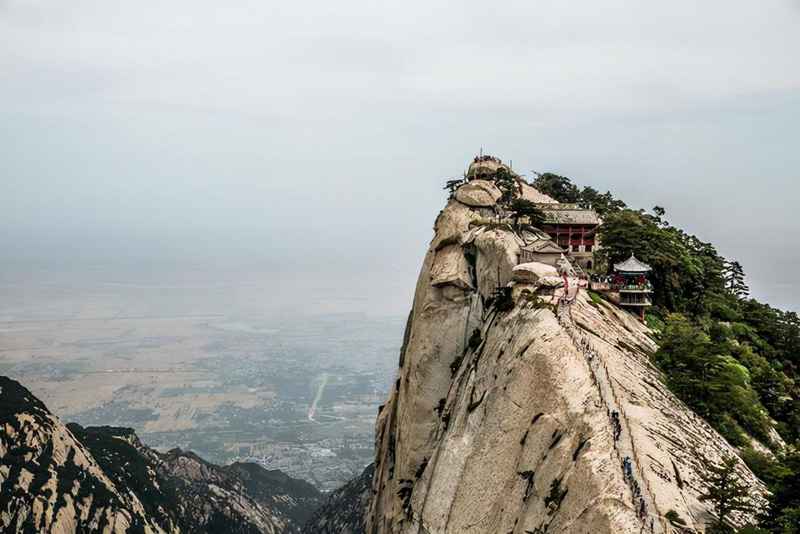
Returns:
point(49, 481)
point(64, 479)
point(534, 195)
point(478, 193)
point(343, 510)
point(545, 417)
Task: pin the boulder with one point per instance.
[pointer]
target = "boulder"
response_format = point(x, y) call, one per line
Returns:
point(450, 268)
point(551, 281)
point(530, 273)
point(478, 194)
point(528, 192)
point(486, 167)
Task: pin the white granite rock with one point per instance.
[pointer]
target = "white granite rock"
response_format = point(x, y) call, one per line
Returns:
point(515, 434)
point(478, 194)
point(533, 271)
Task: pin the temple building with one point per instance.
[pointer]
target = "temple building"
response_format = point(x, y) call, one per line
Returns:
point(574, 229)
point(542, 251)
point(630, 281)
point(568, 229)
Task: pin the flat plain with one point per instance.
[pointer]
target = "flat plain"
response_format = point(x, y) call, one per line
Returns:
point(205, 367)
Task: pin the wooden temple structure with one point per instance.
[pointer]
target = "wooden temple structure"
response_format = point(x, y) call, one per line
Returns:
point(542, 251)
point(631, 283)
point(568, 235)
point(574, 229)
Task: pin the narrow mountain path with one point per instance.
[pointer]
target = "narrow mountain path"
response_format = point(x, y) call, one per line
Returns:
point(624, 448)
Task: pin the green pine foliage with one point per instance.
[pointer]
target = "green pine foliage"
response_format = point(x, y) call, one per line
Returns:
point(727, 494)
point(560, 188)
point(507, 183)
point(686, 271)
point(781, 473)
point(521, 207)
point(711, 380)
point(602, 203)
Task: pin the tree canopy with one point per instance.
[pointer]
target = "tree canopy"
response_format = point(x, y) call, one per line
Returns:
point(560, 188)
point(727, 494)
point(685, 269)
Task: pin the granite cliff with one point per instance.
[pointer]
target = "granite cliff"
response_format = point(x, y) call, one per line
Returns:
point(531, 409)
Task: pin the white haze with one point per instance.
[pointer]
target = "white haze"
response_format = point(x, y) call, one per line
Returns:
point(307, 141)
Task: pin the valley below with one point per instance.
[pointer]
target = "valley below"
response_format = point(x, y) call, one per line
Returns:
point(206, 370)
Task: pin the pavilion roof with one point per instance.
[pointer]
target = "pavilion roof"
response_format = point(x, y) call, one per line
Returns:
point(632, 265)
point(543, 246)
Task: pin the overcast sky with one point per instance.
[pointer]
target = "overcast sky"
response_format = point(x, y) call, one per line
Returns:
point(314, 136)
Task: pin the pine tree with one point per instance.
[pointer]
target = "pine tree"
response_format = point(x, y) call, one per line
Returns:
point(734, 279)
point(784, 509)
point(727, 494)
point(560, 188)
point(521, 207)
point(507, 184)
point(602, 203)
point(453, 184)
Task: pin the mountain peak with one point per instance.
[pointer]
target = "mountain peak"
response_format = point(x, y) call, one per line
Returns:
point(524, 405)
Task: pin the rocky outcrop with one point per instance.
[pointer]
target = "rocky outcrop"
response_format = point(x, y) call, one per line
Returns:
point(450, 267)
point(208, 499)
point(478, 194)
point(49, 482)
point(64, 479)
point(528, 192)
point(533, 272)
point(545, 416)
point(343, 510)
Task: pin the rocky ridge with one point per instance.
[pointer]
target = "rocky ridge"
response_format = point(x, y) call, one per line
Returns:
point(547, 416)
point(57, 478)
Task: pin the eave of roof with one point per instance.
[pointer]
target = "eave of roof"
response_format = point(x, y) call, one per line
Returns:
point(568, 214)
point(632, 265)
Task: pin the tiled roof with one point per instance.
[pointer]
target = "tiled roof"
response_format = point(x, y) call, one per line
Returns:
point(543, 246)
point(568, 214)
point(632, 265)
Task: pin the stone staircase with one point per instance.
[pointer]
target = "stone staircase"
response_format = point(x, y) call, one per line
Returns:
point(643, 501)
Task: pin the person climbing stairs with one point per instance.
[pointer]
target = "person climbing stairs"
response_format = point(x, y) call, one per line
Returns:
point(643, 501)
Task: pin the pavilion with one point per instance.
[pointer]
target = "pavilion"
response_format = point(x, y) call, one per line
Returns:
point(630, 280)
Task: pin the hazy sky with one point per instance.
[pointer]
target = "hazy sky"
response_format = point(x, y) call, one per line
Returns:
point(313, 137)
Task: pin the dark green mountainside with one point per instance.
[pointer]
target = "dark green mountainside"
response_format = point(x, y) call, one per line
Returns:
point(343, 510)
